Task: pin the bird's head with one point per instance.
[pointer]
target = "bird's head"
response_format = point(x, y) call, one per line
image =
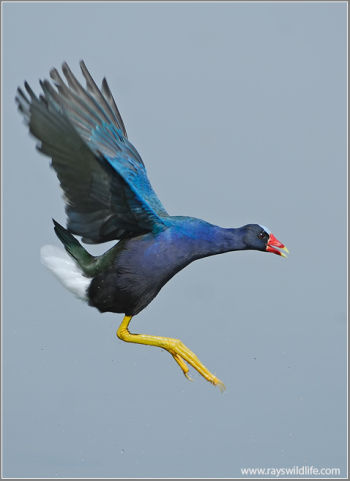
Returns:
point(260, 238)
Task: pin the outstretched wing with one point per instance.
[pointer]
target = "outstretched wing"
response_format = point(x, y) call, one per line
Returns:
point(107, 193)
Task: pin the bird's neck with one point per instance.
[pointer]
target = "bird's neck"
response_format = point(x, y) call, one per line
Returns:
point(217, 240)
point(231, 239)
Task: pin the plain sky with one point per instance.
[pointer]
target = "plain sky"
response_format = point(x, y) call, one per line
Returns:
point(239, 113)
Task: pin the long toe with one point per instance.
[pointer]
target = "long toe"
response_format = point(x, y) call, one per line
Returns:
point(181, 353)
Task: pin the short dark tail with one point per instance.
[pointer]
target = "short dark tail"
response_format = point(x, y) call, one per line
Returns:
point(85, 260)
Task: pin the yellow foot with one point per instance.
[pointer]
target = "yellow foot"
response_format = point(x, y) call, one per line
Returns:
point(183, 365)
point(181, 353)
point(175, 347)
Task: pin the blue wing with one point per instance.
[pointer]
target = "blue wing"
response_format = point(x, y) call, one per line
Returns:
point(106, 188)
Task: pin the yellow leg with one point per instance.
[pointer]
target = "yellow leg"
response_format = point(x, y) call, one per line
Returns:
point(175, 347)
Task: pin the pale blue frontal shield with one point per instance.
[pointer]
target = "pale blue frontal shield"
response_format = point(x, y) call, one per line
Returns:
point(265, 229)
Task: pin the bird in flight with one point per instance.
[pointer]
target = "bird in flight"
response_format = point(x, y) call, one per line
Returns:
point(108, 197)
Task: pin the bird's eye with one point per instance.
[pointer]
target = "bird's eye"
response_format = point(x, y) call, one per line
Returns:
point(262, 235)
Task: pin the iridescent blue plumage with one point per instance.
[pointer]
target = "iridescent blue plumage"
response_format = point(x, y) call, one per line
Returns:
point(108, 196)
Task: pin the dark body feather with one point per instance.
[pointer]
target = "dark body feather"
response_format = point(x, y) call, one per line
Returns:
point(142, 265)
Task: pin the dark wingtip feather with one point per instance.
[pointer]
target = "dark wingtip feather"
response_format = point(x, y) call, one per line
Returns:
point(68, 73)
point(53, 73)
point(108, 94)
point(56, 77)
point(21, 94)
point(90, 83)
point(23, 105)
point(29, 90)
point(82, 64)
point(85, 72)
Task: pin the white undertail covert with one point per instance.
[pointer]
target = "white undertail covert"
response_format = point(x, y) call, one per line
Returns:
point(67, 271)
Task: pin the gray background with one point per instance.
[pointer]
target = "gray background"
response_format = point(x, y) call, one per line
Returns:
point(239, 112)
